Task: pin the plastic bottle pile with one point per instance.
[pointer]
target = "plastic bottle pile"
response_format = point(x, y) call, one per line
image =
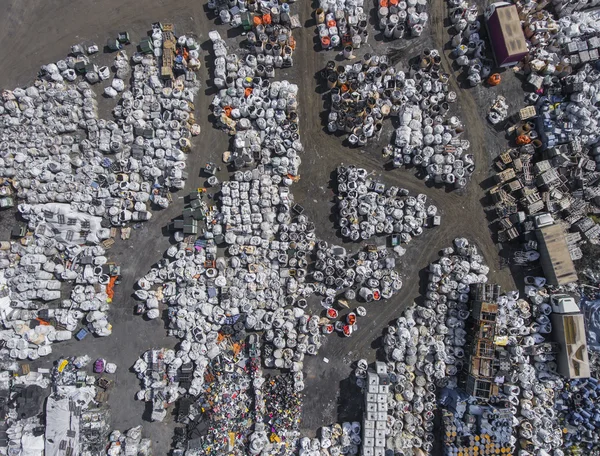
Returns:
point(424, 348)
point(342, 23)
point(398, 19)
point(367, 208)
point(335, 440)
point(469, 48)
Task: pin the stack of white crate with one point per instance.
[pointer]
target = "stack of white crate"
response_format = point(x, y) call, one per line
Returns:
point(375, 416)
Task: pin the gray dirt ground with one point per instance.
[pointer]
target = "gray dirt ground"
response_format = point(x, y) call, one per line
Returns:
point(36, 32)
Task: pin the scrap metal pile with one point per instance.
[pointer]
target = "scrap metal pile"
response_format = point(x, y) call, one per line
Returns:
point(367, 208)
point(399, 19)
point(555, 168)
point(363, 94)
point(561, 185)
point(342, 23)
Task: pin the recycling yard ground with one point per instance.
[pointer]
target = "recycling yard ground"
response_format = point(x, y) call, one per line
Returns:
point(36, 32)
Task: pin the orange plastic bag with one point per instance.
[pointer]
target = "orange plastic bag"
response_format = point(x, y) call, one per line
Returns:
point(494, 79)
point(110, 288)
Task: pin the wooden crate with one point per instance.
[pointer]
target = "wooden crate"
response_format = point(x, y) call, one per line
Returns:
point(527, 113)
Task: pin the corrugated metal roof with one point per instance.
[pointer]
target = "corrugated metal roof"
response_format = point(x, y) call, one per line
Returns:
point(510, 24)
point(569, 332)
point(556, 250)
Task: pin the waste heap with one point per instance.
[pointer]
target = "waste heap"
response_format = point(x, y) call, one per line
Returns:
point(399, 19)
point(336, 440)
point(129, 442)
point(282, 409)
point(467, 44)
point(524, 395)
point(224, 402)
point(74, 418)
point(261, 115)
point(249, 13)
point(261, 285)
point(157, 371)
point(580, 408)
point(557, 46)
point(34, 316)
point(363, 94)
point(565, 7)
point(577, 116)
point(498, 111)
point(121, 167)
point(424, 348)
point(472, 426)
point(342, 23)
point(272, 42)
point(77, 175)
point(289, 340)
point(375, 422)
point(367, 208)
point(532, 382)
point(21, 404)
point(554, 170)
